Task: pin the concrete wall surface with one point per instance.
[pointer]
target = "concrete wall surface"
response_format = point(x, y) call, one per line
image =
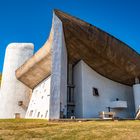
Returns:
point(39, 103)
point(88, 105)
point(78, 96)
point(12, 90)
point(136, 90)
point(58, 96)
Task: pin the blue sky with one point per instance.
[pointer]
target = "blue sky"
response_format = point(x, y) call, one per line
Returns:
point(30, 20)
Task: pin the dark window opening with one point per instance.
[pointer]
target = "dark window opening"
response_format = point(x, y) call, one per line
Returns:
point(72, 111)
point(95, 92)
point(38, 114)
point(46, 114)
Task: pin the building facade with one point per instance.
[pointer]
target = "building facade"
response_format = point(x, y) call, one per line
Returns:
point(80, 71)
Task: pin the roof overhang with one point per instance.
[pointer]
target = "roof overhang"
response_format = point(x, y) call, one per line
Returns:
point(37, 68)
point(102, 52)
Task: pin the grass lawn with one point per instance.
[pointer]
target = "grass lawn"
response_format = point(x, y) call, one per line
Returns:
point(91, 130)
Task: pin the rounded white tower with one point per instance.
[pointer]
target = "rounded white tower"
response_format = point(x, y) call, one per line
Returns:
point(15, 95)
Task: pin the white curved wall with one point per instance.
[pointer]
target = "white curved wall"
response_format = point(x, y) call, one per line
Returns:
point(89, 106)
point(13, 90)
point(136, 91)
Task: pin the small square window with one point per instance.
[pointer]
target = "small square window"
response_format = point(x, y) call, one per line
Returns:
point(46, 114)
point(38, 114)
point(95, 91)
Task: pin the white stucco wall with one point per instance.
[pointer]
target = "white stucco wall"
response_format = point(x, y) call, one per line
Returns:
point(39, 103)
point(58, 96)
point(87, 105)
point(13, 90)
point(136, 91)
point(78, 99)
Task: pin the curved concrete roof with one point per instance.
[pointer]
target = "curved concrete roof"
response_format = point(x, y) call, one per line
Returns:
point(37, 68)
point(101, 51)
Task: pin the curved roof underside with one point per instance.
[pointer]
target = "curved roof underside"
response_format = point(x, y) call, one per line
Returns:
point(37, 68)
point(102, 52)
